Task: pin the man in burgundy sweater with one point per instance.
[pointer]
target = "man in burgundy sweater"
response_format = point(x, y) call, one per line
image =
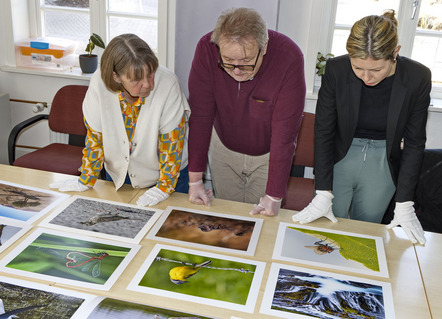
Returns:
point(246, 94)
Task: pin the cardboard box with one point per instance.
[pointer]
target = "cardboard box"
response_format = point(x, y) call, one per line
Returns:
point(46, 53)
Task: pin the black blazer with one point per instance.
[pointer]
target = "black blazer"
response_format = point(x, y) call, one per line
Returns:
point(337, 111)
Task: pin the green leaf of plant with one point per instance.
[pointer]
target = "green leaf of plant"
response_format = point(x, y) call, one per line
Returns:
point(96, 39)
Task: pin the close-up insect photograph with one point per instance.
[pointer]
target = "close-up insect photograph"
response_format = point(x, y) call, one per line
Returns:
point(334, 249)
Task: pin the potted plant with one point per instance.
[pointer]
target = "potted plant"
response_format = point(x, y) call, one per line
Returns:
point(321, 61)
point(89, 61)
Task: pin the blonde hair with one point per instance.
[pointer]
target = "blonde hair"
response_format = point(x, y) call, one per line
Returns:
point(374, 37)
point(129, 55)
point(239, 25)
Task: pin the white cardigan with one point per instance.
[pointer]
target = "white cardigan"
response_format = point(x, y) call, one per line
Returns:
point(161, 113)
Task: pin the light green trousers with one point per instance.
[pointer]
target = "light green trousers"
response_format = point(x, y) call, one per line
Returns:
point(362, 183)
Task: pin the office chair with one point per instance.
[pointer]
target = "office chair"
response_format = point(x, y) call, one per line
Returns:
point(65, 116)
point(301, 190)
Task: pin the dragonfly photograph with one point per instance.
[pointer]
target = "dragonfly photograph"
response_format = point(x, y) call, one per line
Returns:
point(74, 260)
point(25, 203)
point(331, 248)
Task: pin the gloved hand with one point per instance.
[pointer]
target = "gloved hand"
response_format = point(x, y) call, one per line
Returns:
point(151, 197)
point(69, 185)
point(405, 216)
point(198, 194)
point(320, 206)
point(267, 206)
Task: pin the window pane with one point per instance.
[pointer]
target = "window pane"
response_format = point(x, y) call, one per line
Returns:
point(427, 47)
point(68, 25)
point(145, 29)
point(149, 7)
point(339, 41)
point(68, 3)
point(430, 16)
point(350, 11)
point(428, 51)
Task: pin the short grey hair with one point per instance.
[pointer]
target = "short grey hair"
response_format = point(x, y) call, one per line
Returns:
point(239, 25)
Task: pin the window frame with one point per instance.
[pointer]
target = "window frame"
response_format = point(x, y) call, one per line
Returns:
point(99, 23)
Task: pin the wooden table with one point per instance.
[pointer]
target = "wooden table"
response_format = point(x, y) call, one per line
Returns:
point(415, 294)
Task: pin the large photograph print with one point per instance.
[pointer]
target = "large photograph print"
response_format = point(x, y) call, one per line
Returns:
point(25, 203)
point(102, 218)
point(294, 292)
point(109, 308)
point(69, 259)
point(331, 248)
point(206, 278)
point(10, 231)
point(22, 299)
point(201, 229)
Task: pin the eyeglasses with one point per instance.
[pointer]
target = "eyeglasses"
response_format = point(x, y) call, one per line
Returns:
point(243, 67)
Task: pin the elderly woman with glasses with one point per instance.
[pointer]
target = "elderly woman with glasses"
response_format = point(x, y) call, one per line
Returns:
point(136, 117)
point(246, 93)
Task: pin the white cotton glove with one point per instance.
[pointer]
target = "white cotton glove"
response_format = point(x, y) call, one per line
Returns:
point(405, 216)
point(198, 194)
point(69, 185)
point(151, 197)
point(268, 206)
point(320, 206)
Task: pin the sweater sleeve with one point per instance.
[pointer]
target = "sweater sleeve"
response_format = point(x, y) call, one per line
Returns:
point(170, 150)
point(93, 157)
point(202, 104)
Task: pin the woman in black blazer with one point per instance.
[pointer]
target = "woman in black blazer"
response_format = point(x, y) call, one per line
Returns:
point(370, 133)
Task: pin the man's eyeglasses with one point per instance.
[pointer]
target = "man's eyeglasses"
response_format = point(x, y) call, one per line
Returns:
point(243, 67)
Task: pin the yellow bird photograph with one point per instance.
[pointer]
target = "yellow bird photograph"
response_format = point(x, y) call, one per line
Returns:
point(178, 275)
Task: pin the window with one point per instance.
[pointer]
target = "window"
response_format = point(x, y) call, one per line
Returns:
point(77, 20)
point(420, 30)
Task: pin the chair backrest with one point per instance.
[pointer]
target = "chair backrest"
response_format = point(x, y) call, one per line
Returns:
point(66, 114)
point(304, 154)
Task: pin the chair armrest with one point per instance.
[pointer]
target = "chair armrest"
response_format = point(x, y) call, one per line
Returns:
point(16, 131)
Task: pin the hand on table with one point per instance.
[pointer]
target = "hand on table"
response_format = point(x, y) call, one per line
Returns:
point(198, 194)
point(267, 206)
point(320, 206)
point(405, 216)
point(69, 185)
point(151, 197)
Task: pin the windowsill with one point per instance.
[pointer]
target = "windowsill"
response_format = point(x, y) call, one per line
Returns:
point(73, 73)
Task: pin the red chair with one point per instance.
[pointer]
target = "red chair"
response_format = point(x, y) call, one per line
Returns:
point(301, 190)
point(65, 116)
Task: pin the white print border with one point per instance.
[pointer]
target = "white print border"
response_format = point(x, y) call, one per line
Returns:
point(251, 298)
point(327, 260)
point(47, 222)
point(133, 249)
point(251, 246)
point(269, 292)
point(59, 197)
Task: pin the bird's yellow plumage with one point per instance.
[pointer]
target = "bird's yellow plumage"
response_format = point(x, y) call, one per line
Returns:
point(178, 275)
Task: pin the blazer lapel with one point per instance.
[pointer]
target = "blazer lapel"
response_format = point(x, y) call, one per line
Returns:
point(354, 99)
point(397, 98)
